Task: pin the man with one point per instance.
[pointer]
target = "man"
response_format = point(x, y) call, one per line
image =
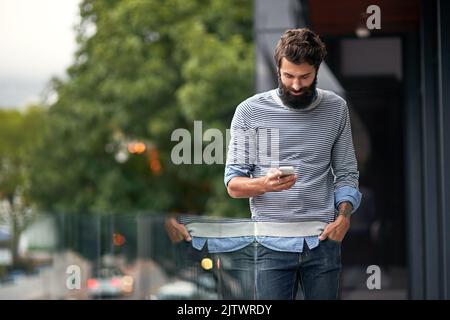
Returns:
point(304, 216)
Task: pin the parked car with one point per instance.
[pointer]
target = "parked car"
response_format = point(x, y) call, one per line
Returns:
point(109, 282)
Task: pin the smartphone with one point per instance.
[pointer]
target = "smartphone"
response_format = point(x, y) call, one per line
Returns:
point(287, 171)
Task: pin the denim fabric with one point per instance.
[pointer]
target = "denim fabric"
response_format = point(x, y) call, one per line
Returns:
point(257, 272)
point(216, 245)
point(288, 244)
point(349, 194)
point(236, 170)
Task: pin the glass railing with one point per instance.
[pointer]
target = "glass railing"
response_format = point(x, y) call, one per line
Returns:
point(134, 257)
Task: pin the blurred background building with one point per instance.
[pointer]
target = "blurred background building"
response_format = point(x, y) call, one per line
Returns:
point(394, 79)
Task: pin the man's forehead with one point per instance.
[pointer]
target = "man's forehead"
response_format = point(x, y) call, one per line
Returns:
point(296, 69)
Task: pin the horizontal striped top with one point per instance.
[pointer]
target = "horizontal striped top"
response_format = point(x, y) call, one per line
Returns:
point(316, 141)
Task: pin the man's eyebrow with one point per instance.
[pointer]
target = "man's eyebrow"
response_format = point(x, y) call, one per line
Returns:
point(303, 75)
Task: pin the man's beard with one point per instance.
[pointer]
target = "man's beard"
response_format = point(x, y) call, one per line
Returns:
point(297, 102)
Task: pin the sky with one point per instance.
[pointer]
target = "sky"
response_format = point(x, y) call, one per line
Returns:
point(37, 41)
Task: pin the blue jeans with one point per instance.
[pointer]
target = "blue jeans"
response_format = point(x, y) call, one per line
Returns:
point(256, 272)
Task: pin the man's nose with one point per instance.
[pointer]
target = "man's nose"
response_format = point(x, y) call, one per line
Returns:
point(296, 85)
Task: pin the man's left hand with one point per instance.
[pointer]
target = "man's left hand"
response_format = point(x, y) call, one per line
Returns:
point(338, 229)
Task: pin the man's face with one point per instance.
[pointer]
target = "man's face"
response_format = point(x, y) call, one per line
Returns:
point(297, 83)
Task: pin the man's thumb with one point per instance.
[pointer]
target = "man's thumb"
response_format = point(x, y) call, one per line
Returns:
point(324, 235)
point(186, 234)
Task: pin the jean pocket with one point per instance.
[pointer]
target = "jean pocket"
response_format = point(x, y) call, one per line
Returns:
point(334, 241)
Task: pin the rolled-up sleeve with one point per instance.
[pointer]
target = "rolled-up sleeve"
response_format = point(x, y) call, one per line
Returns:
point(234, 170)
point(344, 165)
point(349, 194)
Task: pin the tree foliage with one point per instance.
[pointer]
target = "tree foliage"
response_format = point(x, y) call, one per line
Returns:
point(142, 70)
point(20, 132)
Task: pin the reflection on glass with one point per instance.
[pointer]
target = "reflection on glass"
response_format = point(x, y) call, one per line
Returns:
point(137, 257)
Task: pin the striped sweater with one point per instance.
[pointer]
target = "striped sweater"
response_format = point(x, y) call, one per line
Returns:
point(316, 141)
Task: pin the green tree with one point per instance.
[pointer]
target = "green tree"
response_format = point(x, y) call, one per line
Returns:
point(143, 69)
point(19, 134)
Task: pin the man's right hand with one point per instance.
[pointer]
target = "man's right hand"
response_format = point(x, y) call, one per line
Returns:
point(273, 182)
point(245, 187)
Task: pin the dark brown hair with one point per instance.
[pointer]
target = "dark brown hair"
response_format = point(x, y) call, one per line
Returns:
point(300, 45)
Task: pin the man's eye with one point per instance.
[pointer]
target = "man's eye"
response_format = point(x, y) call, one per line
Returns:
point(305, 77)
point(288, 76)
